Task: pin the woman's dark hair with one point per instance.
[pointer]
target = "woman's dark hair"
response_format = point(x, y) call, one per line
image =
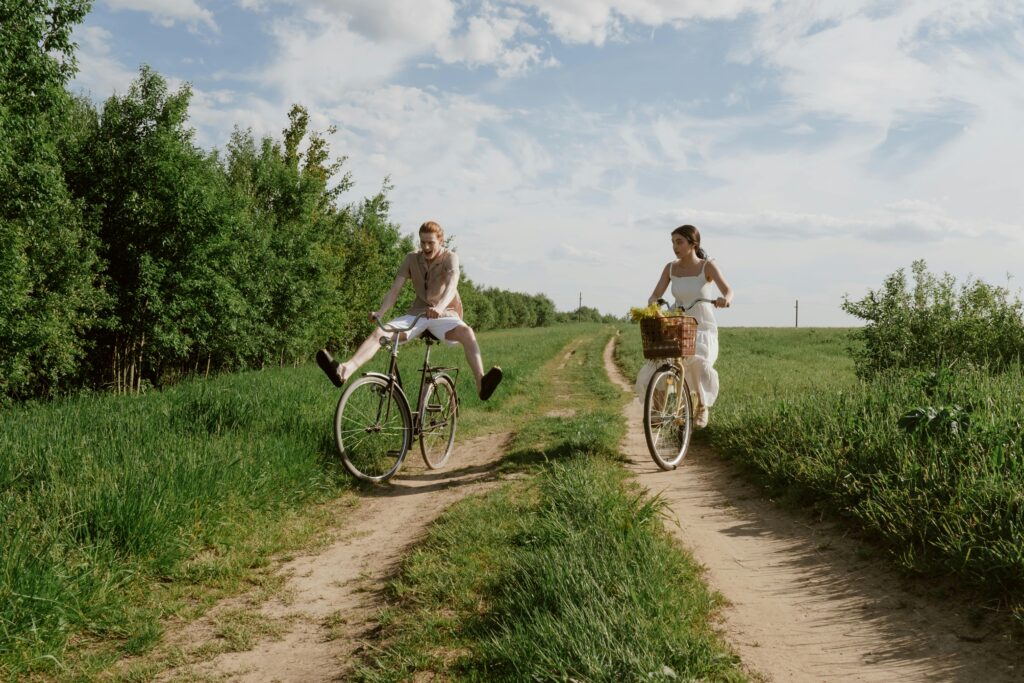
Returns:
point(691, 235)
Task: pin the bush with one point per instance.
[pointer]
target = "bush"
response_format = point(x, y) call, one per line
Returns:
point(936, 324)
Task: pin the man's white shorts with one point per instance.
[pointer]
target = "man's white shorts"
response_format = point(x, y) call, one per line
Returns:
point(438, 327)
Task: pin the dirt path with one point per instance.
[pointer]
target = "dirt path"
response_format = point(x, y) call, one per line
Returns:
point(805, 602)
point(328, 604)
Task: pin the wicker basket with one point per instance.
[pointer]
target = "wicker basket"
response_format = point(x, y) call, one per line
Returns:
point(669, 337)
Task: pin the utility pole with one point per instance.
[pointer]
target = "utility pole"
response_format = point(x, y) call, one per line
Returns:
point(797, 308)
point(579, 311)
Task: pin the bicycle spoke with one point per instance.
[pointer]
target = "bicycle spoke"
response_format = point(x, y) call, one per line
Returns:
point(438, 426)
point(372, 430)
point(666, 418)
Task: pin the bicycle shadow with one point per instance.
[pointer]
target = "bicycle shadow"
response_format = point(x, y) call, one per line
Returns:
point(415, 479)
point(480, 463)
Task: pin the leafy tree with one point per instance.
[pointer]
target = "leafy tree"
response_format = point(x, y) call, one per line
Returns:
point(935, 323)
point(373, 249)
point(544, 310)
point(478, 309)
point(167, 224)
point(49, 296)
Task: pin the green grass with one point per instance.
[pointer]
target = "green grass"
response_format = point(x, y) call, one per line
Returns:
point(942, 502)
point(569, 575)
point(120, 512)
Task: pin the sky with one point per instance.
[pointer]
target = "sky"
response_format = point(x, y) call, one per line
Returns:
point(818, 146)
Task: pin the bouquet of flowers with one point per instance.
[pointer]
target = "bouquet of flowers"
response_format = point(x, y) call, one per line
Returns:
point(650, 312)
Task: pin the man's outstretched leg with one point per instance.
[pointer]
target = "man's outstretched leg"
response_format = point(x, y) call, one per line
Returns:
point(485, 383)
point(339, 373)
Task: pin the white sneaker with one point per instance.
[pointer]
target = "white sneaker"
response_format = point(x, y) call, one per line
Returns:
point(700, 420)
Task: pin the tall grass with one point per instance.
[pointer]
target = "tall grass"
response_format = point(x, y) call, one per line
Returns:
point(107, 501)
point(928, 463)
point(101, 495)
point(596, 591)
point(943, 497)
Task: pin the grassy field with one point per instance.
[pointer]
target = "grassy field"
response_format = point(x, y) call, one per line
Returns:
point(568, 575)
point(124, 514)
point(944, 491)
point(119, 512)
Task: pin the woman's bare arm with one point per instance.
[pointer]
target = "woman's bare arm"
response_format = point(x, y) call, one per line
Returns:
point(662, 285)
point(714, 274)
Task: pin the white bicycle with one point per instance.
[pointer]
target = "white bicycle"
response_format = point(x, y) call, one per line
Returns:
point(669, 403)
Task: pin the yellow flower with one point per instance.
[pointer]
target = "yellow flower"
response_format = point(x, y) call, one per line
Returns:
point(637, 314)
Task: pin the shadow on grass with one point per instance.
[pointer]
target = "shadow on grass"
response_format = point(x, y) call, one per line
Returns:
point(413, 483)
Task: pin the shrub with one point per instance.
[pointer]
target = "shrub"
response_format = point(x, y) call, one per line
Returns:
point(936, 323)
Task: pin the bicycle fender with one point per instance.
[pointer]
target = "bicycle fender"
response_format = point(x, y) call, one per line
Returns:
point(379, 375)
point(388, 378)
point(455, 391)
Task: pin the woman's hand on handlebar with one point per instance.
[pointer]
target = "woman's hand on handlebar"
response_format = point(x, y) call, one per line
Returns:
point(721, 302)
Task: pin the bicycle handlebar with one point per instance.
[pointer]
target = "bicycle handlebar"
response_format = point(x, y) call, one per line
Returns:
point(662, 302)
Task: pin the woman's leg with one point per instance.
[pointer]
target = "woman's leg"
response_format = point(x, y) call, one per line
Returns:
point(697, 379)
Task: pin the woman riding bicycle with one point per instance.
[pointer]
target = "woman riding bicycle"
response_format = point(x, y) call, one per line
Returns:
point(691, 276)
point(434, 272)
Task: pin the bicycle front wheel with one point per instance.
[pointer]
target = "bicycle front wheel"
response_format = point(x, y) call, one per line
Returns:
point(373, 428)
point(668, 417)
point(440, 413)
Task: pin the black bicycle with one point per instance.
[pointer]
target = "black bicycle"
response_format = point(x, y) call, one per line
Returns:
point(374, 425)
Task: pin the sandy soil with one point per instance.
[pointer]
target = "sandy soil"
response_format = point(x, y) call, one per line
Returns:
point(328, 607)
point(806, 602)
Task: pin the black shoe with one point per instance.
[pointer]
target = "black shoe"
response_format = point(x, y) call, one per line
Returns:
point(329, 366)
point(490, 382)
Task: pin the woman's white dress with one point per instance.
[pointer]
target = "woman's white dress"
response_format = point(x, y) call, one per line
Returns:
point(701, 375)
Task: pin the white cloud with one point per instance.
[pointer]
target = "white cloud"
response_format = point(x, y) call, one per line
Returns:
point(864, 63)
point(169, 12)
point(910, 222)
point(569, 252)
point(597, 21)
point(489, 39)
point(430, 144)
point(320, 59)
point(99, 72)
point(415, 22)
point(326, 49)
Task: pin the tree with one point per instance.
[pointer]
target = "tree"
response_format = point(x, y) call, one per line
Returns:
point(167, 224)
point(49, 292)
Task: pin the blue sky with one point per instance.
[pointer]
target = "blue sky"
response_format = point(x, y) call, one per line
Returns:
point(817, 145)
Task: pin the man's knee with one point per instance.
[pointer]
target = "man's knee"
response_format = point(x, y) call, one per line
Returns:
point(463, 333)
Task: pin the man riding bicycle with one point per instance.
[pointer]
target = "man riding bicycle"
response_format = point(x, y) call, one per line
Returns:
point(434, 271)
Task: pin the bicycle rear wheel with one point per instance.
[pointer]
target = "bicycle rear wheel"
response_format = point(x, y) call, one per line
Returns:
point(440, 413)
point(373, 428)
point(668, 417)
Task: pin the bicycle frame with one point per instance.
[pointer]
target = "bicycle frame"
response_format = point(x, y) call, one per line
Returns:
point(394, 375)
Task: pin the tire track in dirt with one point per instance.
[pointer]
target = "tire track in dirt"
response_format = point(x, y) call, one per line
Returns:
point(806, 603)
point(329, 604)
